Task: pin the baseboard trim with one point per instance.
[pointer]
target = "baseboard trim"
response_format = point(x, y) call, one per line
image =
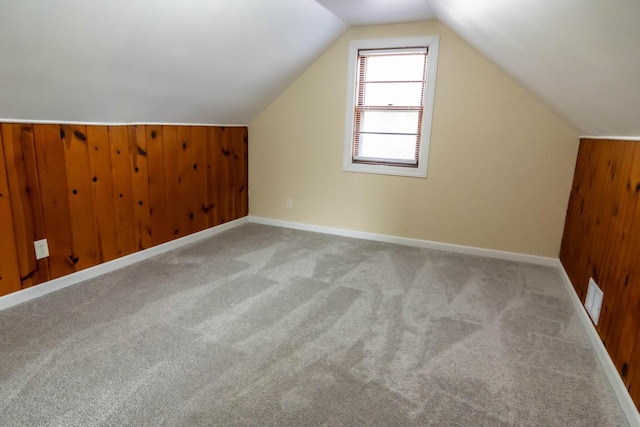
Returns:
point(629, 408)
point(448, 247)
point(28, 294)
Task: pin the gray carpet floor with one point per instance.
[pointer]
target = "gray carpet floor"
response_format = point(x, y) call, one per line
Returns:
point(264, 326)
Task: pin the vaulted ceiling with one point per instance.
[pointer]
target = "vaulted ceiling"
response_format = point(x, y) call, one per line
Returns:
point(223, 61)
point(195, 61)
point(582, 57)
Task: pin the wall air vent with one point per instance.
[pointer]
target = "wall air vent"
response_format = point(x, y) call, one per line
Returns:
point(593, 301)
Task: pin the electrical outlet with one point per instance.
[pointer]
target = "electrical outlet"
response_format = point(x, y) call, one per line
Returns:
point(288, 204)
point(593, 301)
point(42, 248)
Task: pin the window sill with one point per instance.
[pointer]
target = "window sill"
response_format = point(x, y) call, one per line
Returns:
point(386, 170)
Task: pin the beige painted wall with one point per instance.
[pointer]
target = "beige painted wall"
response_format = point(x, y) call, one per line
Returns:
point(500, 163)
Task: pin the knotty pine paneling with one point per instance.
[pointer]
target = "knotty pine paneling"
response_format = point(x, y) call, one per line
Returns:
point(100, 167)
point(240, 138)
point(215, 176)
point(602, 240)
point(24, 192)
point(198, 213)
point(9, 267)
point(227, 169)
point(158, 204)
point(123, 189)
point(140, 186)
point(79, 192)
point(171, 182)
point(185, 180)
point(54, 198)
point(97, 193)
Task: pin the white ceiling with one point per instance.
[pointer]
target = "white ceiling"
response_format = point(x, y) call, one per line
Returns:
point(582, 57)
point(196, 61)
point(223, 61)
point(364, 12)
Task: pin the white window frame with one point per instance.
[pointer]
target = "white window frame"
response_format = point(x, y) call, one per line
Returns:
point(431, 42)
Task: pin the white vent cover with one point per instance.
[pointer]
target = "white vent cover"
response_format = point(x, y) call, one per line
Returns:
point(593, 301)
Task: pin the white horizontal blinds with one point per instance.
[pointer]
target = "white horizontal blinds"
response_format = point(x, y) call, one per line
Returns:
point(358, 116)
point(389, 107)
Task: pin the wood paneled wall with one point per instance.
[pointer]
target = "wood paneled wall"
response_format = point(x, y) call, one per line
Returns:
point(602, 240)
point(97, 193)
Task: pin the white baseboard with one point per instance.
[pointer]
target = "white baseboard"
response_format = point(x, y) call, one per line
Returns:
point(25, 295)
point(448, 247)
point(630, 410)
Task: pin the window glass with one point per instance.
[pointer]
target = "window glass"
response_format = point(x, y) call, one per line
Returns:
point(390, 122)
point(393, 94)
point(395, 67)
point(394, 147)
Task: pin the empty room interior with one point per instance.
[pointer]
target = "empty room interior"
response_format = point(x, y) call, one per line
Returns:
point(320, 213)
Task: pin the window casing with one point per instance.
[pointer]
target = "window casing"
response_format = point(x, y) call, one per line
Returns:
point(391, 86)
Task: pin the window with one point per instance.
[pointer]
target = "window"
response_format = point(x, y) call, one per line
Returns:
point(391, 90)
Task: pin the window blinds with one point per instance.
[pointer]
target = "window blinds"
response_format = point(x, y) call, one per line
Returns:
point(389, 106)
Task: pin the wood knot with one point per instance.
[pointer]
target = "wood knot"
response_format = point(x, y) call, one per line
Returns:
point(80, 136)
point(29, 275)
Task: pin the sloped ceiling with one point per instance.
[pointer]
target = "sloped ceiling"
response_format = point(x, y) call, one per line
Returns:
point(366, 12)
point(223, 61)
point(581, 57)
point(195, 61)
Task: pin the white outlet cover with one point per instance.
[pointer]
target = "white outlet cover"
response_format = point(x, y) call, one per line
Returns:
point(42, 248)
point(593, 301)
